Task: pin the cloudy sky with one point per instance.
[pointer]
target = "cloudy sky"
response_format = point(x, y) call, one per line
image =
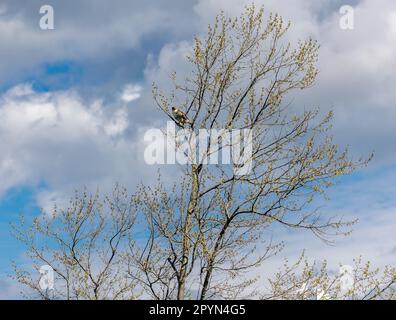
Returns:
point(75, 102)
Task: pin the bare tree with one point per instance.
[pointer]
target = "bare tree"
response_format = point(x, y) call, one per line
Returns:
point(85, 245)
point(202, 237)
point(304, 280)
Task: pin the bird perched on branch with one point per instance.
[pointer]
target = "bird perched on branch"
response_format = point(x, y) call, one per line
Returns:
point(180, 116)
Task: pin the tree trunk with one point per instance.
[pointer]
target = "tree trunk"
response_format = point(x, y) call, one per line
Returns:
point(192, 205)
point(209, 270)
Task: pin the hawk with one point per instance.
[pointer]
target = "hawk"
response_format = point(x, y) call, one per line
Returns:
point(180, 116)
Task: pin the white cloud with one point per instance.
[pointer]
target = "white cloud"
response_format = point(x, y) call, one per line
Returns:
point(131, 92)
point(59, 139)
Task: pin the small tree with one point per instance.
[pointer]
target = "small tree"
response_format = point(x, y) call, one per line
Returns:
point(304, 280)
point(86, 246)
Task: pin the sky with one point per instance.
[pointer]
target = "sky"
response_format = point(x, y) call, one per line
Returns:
point(75, 102)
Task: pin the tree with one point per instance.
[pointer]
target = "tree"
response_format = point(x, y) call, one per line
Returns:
point(200, 238)
point(304, 280)
point(85, 245)
point(243, 71)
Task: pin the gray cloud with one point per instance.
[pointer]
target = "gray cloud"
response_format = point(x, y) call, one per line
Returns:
point(89, 31)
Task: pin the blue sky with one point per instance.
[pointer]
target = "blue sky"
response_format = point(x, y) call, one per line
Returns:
point(74, 102)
